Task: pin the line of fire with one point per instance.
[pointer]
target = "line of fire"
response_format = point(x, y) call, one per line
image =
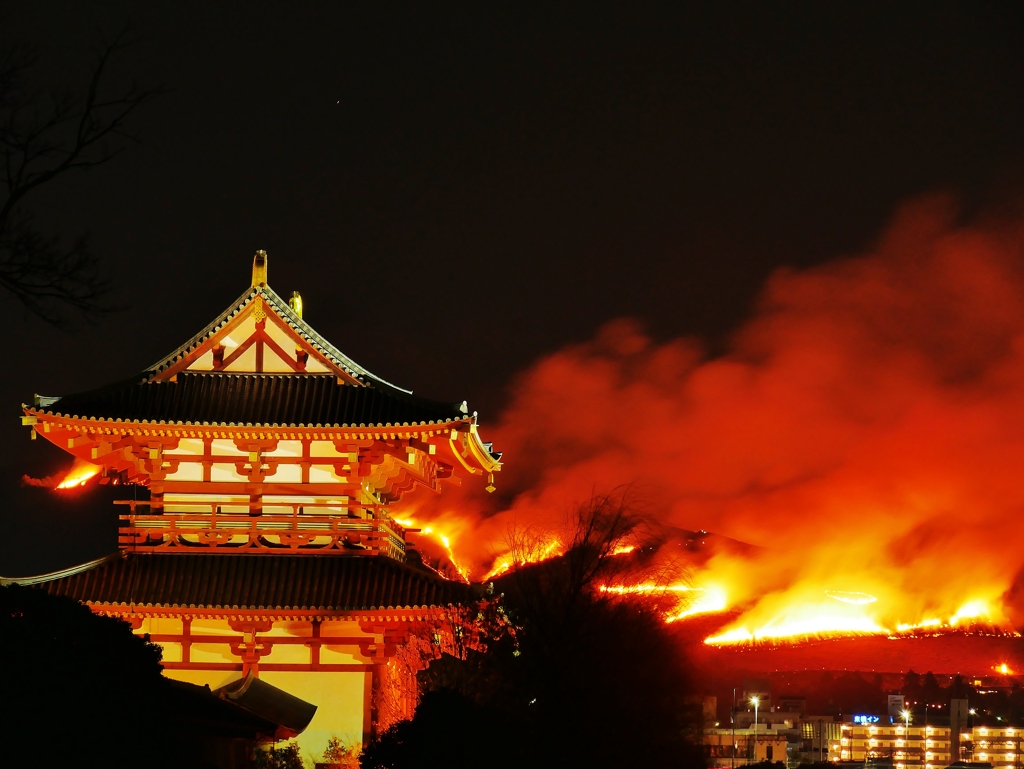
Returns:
point(261, 541)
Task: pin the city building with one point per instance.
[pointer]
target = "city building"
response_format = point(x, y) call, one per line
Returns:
point(740, 747)
point(927, 747)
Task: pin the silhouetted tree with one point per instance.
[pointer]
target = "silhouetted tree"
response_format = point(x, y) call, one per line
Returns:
point(855, 694)
point(931, 692)
point(44, 136)
point(580, 678)
point(911, 682)
point(273, 757)
point(341, 755)
point(85, 680)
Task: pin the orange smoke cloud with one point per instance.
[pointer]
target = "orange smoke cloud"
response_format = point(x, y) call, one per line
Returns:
point(865, 428)
point(47, 482)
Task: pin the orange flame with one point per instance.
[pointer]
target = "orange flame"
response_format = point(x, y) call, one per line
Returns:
point(81, 472)
point(550, 548)
point(812, 619)
point(444, 539)
point(692, 600)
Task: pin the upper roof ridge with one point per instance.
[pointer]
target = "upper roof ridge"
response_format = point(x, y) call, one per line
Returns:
point(290, 317)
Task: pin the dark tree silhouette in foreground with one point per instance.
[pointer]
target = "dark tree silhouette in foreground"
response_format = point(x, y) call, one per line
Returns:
point(78, 684)
point(579, 678)
point(44, 136)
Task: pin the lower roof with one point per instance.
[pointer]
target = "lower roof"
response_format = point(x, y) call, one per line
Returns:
point(258, 581)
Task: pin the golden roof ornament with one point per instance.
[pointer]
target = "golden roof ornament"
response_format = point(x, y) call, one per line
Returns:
point(259, 269)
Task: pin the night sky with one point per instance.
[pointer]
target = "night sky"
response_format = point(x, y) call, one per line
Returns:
point(457, 191)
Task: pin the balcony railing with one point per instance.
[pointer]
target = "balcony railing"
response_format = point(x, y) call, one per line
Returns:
point(354, 532)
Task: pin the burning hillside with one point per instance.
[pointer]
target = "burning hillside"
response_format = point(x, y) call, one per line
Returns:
point(863, 430)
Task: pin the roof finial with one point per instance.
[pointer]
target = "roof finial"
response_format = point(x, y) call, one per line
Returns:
point(259, 269)
point(295, 302)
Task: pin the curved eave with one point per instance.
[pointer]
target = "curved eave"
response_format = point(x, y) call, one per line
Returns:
point(490, 462)
point(128, 424)
point(264, 584)
point(297, 324)
point(62, 574)
point(176, 608)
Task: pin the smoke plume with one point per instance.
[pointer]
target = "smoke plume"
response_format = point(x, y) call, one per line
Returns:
point(865, 428)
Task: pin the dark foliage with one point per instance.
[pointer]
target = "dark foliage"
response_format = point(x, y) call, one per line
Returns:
point(78, 684)
point(285, 757)
point(450, 730)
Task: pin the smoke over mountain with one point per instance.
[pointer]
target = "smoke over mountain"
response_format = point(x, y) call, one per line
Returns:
point(865, 427)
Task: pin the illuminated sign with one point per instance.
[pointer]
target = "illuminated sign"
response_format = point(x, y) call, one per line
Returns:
point(866, 719)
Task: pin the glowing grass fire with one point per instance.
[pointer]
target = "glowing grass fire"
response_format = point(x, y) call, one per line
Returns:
point(79, 474)
point(817, 621)
point(693, 600)
point(796, 629)
point(437, 536)
point(541, 552)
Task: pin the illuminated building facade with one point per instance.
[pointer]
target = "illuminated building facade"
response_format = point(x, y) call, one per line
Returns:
point(740, 747)
point(997, 746)
point(927, 747)
point(263, 541)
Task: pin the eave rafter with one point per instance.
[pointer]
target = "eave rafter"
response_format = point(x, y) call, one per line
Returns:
point(366, 617)
point(389, 459)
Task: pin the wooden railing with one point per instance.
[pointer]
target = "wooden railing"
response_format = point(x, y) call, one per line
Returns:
point(216, 532)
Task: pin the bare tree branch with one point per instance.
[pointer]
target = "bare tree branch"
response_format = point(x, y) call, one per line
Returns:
point(44, 136)
point(551, 591)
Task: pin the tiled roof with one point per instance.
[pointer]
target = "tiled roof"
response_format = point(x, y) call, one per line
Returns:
point(297, 324)
point(254, 399)
point(259, 581)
